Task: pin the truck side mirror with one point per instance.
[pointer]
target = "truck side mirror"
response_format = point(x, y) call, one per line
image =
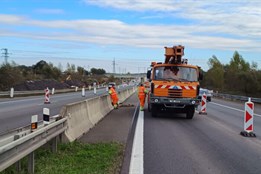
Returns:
point(148, 74)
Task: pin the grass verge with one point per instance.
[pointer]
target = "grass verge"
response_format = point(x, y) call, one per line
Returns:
point(76, 158)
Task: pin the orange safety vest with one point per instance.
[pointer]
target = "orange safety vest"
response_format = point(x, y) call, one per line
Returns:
point(113, 93)
point(142, 91)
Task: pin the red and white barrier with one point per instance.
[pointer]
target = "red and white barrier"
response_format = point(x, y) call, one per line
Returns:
point(203, 104)
point(248, 120)
point(47, 96)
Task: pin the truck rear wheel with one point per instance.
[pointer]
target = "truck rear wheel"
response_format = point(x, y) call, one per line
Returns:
point(190, 112)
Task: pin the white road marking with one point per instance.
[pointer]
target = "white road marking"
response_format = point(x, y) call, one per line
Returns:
point(27, 100)
point(136, 164)
point(232, 108)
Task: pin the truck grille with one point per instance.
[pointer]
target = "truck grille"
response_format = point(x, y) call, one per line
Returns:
point(175, 93)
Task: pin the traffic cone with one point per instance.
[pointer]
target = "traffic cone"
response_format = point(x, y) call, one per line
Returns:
point(203, 104)
point(248, 120)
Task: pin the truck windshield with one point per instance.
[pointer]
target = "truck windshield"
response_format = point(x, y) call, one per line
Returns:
point(178, 73)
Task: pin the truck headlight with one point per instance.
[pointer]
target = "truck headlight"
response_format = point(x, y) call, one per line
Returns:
point(156, 100)
point(193, 102)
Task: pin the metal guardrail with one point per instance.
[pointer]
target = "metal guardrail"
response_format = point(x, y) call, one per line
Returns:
point(36, 92)
point(236, 97)
point(7, 137)
point(21, 142)
point(23, 145)
point(40, 92)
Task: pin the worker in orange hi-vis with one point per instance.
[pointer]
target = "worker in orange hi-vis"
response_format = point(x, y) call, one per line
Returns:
point(114, 97)
point(142, 96)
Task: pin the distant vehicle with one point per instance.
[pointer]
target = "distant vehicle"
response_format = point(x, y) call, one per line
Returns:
point(206, 91)
point(124, 84)
point(111, 84)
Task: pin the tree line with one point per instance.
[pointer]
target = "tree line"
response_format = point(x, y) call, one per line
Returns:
point(238, 77)
point(12, 74)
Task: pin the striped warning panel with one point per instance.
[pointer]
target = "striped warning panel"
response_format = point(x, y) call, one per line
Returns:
point(175, 87)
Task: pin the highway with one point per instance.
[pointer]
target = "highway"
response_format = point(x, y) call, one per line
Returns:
point(17, 112)
point(206, 144)
point(169, 143)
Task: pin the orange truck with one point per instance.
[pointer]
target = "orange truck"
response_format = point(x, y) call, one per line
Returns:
point(174, 84)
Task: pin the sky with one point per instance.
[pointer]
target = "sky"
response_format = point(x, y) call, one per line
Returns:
point(92, 33)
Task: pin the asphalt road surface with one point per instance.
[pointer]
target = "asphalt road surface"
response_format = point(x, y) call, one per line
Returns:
point(169, 143)
point(17, 112)
point(206, 144)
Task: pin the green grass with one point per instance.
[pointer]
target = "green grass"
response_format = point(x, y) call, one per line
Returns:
point(77, 158)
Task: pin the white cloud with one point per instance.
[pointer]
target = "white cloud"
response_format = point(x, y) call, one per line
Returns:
point(10, 19)
point(49, 11)
point(114, 32)
point(238, 17)
point(138, 5)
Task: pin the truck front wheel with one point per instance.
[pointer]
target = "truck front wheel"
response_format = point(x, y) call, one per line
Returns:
point(190, 112)
point(154, 110)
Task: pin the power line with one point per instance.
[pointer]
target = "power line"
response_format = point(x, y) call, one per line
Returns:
point(113, 64)
point(5, 54)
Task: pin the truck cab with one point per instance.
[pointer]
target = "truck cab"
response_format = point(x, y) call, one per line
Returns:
point(174, 85)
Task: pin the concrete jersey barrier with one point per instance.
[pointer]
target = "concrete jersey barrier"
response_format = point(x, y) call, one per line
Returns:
point(82, 116)
point(77, 119)
point(98, 107)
